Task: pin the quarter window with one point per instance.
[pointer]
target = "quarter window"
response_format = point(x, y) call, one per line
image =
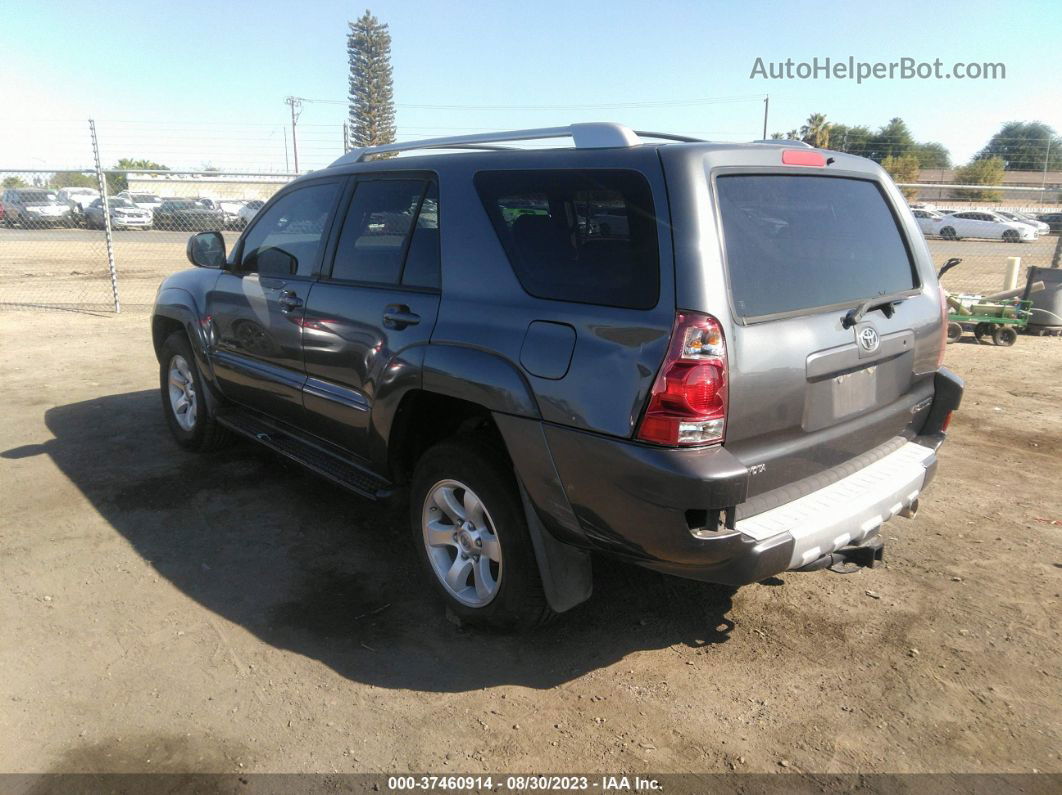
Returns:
point(586, 236)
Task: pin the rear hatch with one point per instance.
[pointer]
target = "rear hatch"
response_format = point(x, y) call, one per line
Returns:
point(782, 256)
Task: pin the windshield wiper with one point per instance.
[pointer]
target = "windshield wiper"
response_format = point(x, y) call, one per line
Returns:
point(886, 305)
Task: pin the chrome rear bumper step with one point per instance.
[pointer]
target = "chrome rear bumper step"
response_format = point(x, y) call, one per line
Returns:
point(849, 511)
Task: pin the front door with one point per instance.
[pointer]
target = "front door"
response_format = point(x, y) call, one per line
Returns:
point(256, 306)
point(368, 316)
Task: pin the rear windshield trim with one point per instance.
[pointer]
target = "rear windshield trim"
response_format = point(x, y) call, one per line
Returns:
point(749, 320)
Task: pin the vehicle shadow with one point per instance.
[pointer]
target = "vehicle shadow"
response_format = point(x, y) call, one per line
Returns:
point(306, 566)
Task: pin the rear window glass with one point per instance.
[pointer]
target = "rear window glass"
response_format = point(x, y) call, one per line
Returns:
point(572, 235)
point(795, 242)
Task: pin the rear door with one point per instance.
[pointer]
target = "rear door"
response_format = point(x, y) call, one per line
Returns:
point(811, 386)
point(375, 305)
point(256, 306)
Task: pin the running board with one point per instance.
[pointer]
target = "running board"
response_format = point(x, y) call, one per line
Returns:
point(289, 444)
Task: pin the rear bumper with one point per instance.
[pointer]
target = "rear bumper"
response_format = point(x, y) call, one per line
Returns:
point(667, 509)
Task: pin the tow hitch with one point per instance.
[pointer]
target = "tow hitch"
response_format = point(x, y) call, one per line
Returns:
point(852, 558)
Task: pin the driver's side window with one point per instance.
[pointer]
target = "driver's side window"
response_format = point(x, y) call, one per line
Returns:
point(286, 239)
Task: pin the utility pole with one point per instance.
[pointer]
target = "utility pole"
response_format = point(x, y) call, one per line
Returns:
point(296, 109)
point(766, 105)
point(287, 166)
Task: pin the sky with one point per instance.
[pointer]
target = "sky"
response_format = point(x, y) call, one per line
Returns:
point(194, 83)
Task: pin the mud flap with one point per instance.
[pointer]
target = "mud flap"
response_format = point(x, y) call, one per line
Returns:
point(566, 572)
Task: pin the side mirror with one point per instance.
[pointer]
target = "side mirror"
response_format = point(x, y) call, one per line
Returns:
point(207, 250)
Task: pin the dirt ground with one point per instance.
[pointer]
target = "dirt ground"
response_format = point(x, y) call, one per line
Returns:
point(161, 611)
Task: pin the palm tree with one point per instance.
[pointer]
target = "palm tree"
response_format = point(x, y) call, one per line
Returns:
point(817, 131)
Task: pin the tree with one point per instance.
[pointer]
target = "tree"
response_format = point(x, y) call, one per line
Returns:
point(904, 168)
point(116, 183)
point(776, 136)
point(980, 171)
point(1023, 146)
point(372, 104)
point(893, 139)
point(73, 179)
point(14, 182)
point(816, 131)
point(854, 140)
point(932, 155)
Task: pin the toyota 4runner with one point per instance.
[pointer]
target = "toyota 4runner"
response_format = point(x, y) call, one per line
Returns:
point(720, 361)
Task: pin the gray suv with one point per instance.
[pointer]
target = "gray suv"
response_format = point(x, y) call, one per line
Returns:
point(720, 361)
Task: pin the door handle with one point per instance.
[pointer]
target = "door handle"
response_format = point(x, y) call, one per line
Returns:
point(398, 316)
point(289, 300)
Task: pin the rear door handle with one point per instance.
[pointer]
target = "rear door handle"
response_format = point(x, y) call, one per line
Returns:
point(398, 316)
point(289, 300)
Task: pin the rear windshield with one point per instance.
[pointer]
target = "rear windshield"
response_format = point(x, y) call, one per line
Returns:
point(795, 242)
point(586, 236)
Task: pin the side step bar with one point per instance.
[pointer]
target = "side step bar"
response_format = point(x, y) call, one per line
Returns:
point(289, 444)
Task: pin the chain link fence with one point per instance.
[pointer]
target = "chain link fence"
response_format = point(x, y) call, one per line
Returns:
point(102, 239)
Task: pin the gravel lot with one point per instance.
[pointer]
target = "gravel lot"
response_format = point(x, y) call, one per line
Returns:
point(161, 611)
point(69, 266)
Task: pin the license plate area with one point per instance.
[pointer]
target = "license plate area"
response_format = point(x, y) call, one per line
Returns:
point(854, 392)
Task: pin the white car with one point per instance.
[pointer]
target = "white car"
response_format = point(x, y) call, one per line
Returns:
point(1020, 218)
point(143, 201)
point(980, 223)
point(250, 210)
point(230, 208)
point(79, 198)
point(929, 221)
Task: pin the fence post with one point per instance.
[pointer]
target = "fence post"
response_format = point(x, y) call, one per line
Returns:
point(1010, 278)
point(102, 179)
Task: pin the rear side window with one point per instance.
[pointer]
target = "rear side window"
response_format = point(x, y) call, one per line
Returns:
point(384, 217)
point(795, 242)
point(572, 235)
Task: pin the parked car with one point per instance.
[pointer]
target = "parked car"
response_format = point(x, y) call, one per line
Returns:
point(78, 200)
point(1020, 218)
point(708, 394)
point(928, 221)
point(229, 208)
point(186, 215)
point(249, 210)
point(143, 201)
point(1053, 220)
point(34, 208)
point(124, 215)
point(980, 223)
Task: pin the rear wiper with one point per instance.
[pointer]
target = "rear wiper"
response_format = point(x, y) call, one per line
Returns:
point(886, 305)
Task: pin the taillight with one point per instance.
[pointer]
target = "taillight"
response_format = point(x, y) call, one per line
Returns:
point(687, 405)
point(943, 326)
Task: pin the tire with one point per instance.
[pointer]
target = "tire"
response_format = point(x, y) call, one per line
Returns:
point(982, 330)
point(494, 575)
point(954, 332)
point(196, 428)
point(1004, 336)
point(1011, 236)
point(948, 233)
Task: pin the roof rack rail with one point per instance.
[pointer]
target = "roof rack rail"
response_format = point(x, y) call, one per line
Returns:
point(784, 142)
point(586, 135)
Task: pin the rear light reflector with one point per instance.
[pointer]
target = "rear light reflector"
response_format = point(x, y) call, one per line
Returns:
point(947, 421)
point(688, 402)
point(803, 157)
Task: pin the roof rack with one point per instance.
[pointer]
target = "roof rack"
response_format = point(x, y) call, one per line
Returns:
point(784, 142)
point(586, 135)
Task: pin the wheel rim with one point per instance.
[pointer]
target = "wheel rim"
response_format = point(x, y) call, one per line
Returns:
point(462, 543)
point(183, 400)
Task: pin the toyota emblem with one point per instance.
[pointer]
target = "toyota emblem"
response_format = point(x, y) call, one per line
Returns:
point(868, 339)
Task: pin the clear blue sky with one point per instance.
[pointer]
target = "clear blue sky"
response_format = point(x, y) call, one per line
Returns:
point(191, 82)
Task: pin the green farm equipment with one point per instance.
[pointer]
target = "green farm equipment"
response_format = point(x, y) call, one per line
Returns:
point(999, 316)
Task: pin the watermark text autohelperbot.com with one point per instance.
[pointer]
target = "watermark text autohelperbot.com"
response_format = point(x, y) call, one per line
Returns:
point(851, 69)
